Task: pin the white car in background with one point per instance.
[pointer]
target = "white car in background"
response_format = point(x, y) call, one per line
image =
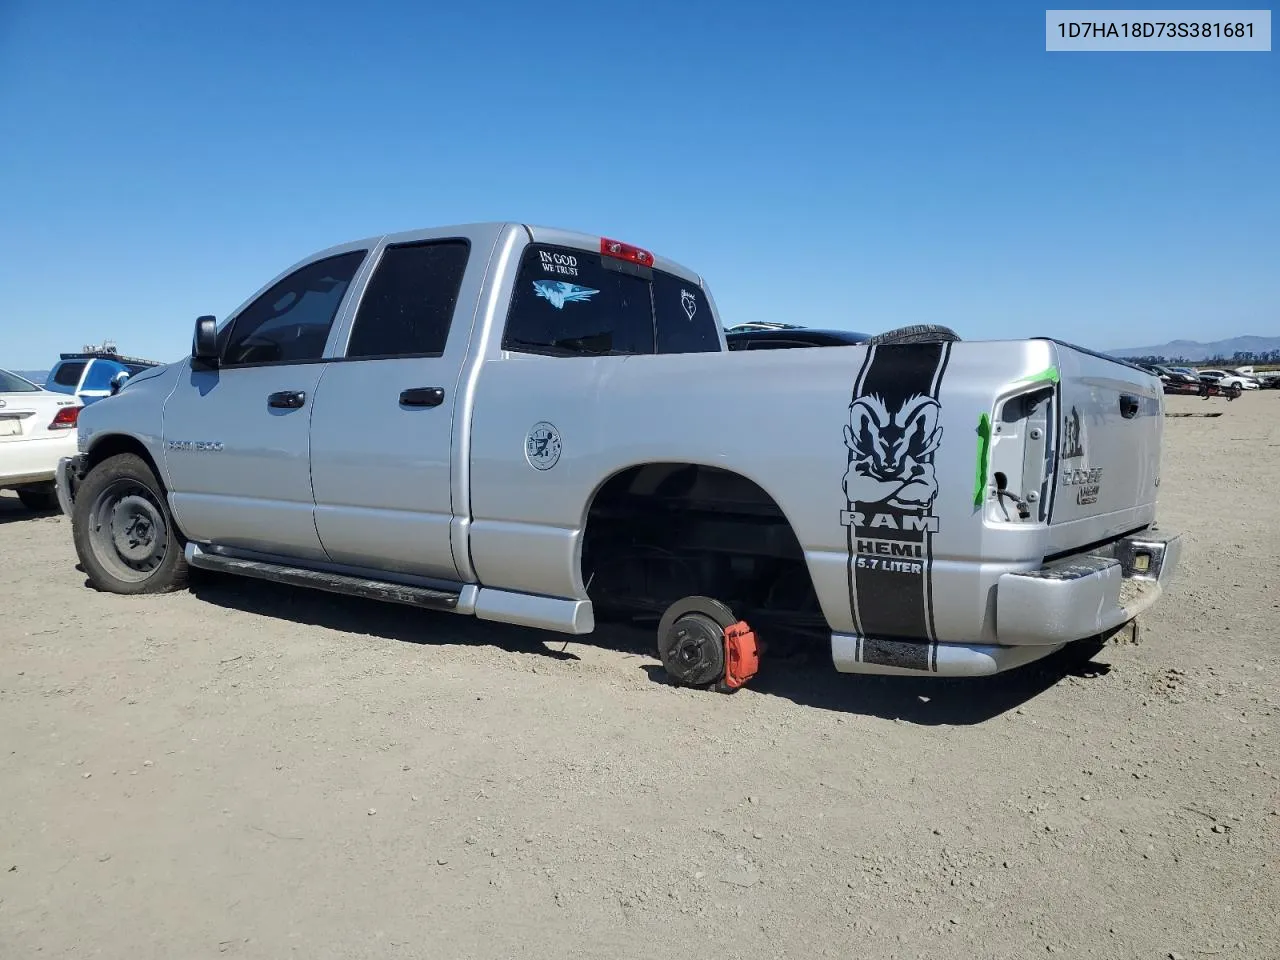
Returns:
point(37, 429)
point(1224, 378)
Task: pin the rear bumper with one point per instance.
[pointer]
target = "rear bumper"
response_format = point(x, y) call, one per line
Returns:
point(1086, 595)
point(1037, 613)
point(34, 460)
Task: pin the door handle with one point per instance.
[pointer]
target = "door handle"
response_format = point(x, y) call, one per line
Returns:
point(422, 397)
point(287, 399)
point(1128, 406)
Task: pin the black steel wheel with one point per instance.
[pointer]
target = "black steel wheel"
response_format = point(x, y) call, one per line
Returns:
point(123, 531)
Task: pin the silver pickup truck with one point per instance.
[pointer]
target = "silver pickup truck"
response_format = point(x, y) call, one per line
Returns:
point(545, 428)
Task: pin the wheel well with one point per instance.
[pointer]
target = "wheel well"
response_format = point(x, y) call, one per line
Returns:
point(659, 532)
point(117, 443)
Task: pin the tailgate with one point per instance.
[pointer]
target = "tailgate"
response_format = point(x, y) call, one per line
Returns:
point(1111, 424)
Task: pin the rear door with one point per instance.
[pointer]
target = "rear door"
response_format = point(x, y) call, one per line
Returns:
point(1111, 424)
point(383, 422)
point(236, 439)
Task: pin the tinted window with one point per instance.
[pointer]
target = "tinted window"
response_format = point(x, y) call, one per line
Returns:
point(11, 383)
point(68, 374)
point(684, 320)
point(291, 321)
point(408, 306)
point(573, 302)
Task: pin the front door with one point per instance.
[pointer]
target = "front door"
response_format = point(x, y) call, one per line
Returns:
point(382, 427)
point(236, 438)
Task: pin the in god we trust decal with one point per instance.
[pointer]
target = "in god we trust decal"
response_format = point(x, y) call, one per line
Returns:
point(893, 434)
point(563, 264)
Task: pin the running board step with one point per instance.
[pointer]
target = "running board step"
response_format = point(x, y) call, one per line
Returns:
point(332, 582)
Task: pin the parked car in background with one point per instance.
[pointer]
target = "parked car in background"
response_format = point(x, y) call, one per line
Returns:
point(37, 429)
point(92, 376)
point(778, 336)
point(1169, 373)
point(1225, 379)
point(782, 336)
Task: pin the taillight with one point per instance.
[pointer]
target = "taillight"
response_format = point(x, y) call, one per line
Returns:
point(625, 251)
point(65, 419)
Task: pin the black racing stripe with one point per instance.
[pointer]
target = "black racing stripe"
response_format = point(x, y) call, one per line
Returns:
point(894, 415)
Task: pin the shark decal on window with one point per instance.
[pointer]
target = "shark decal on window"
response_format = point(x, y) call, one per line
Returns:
point(560, 292)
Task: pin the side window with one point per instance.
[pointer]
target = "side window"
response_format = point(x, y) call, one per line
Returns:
point(68, 374)
point(290, 322)
point(408, 306)
point(683, 316)
point(99, 377)
point(570, 302)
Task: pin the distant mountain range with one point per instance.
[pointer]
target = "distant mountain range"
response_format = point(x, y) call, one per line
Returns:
point(1191, 350)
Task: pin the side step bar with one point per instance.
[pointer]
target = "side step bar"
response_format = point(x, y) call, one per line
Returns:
point(423, 597)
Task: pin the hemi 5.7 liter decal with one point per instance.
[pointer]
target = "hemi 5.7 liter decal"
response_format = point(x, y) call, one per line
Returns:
point(892, 436)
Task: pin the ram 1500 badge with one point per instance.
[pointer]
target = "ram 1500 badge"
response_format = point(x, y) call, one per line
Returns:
point(532, 426)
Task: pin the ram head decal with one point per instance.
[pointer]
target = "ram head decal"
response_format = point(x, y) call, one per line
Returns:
point(892, 452)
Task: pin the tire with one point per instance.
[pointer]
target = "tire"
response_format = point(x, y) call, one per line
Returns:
point(917, 333)
point(123, 531)
point(40, 498)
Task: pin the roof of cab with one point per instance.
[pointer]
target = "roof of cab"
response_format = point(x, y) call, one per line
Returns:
point(536, 233)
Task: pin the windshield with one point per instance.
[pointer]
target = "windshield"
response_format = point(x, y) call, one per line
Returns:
point(12, 383)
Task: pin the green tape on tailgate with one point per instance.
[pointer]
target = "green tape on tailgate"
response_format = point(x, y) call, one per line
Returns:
point(984, 458)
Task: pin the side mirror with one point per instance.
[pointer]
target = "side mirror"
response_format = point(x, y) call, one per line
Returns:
point(204, 343)
point(118, 381)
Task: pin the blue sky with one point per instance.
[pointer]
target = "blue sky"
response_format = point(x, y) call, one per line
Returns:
point(850, 165)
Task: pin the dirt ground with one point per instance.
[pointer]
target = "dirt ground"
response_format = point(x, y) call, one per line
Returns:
point(253, 771)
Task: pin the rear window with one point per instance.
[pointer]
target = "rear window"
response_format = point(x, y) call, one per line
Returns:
point(68, 374)
point(570, 302)
point(12, 383)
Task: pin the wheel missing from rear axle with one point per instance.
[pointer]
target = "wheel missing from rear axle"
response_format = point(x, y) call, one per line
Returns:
point(703, 644)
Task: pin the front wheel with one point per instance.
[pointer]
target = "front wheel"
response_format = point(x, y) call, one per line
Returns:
point(123, 531)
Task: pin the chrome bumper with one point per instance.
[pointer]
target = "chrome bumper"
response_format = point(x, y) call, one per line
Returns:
point(1086, 595)
point(1037, 612)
